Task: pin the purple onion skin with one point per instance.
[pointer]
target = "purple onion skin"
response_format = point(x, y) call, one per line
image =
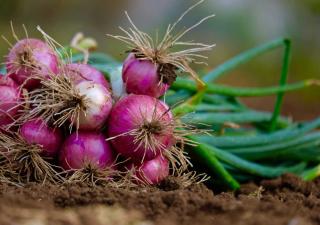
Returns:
point(43, 58)
point(9, 101)
point(129, 113)
point(88, 147)
point(151, 172)
point(6, 80)
point(80, 72)
point(37, 132)
point(141, 77)
point(98, 107)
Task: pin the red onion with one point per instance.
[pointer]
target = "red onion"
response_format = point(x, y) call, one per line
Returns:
point(85, 105)
point(152, 65)
point(9, 104)
point(37, 132)
point(85, 148)
point(140, 127)
point(26, 154)
point(79, 72)
point(152, 171)
point(30, 57)
point(96, 105)
point(143, 77)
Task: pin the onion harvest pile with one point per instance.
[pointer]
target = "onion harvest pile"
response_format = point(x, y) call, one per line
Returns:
point(90, 118)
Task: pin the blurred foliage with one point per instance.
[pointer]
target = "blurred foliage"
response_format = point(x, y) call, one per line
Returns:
point(238, 25)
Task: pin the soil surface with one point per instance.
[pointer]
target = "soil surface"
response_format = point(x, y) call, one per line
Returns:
point(286, 200)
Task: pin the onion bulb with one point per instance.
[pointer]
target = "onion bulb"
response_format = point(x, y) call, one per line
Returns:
point(150, 172)
point(144, 77)
point(140, 127)
point(31, 57)
point(9, 104)
point(84, 148)
point(79, 72)
point(38, 133)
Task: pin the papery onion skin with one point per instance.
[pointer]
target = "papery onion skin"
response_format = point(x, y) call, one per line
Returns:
point(9, 104)
point(141, 77)
point(37, 132)
point(150, 172)
point(80, 72)
point(97, 105)
point(42, 59)
point(85, 148)
point(129, 113)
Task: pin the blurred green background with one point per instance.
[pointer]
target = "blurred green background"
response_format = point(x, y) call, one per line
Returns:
point(238, 25)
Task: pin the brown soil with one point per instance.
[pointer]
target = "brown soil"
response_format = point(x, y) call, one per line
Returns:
point(286, 200)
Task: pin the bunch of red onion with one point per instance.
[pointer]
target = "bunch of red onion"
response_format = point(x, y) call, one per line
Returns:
point(59, 120)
